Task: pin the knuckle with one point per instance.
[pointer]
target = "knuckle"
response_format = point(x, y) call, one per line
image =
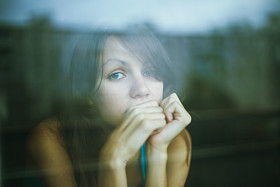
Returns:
point(162, 116)
point(174, 95)
point(160, 109)
point(162, 123)
point(146, 125)
point(189, 119)
point(154, 103)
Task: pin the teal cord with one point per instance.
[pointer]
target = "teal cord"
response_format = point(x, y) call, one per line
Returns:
point(143, 161)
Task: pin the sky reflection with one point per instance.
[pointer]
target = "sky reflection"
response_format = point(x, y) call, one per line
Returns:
point(179, 16)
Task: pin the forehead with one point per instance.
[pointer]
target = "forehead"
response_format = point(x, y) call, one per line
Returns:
point(115, 50)
point(113, 46)
point(132, 48)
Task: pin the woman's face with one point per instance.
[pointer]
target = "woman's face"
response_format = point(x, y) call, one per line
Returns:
point(126, 82)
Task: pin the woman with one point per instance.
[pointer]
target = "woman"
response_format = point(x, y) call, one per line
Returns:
point(120, 124)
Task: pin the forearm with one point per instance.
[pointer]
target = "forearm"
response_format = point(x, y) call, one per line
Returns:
point(156, 168)
point(112, 174)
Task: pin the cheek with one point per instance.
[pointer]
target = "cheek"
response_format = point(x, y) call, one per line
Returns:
point(113, 100)
point(157, 90)
point(111, 105)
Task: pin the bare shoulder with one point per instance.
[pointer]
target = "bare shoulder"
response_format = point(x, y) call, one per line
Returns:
point(44, 135)
point(46, 156)
point(47, 127)
point(41, 140)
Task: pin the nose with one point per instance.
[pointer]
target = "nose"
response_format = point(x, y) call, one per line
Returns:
point(139, 88)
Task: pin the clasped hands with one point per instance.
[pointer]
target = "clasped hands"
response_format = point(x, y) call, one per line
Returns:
point(157, 124)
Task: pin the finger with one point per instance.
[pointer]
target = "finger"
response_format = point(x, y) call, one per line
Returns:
point(148, 126)
point(170, 98)
point(139, 111)
point(144, 130)
point(163, 104)
point(173, 98)
point(168, 110)
point(146, 104)
point(164, 101)
point(176, 110)
point(146, 119)
point(133, 138)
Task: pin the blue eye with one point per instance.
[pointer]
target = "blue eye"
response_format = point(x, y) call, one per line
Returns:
point(116, 76)
point(149, 73)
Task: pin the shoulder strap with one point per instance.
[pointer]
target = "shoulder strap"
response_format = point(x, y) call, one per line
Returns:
point(143, 161)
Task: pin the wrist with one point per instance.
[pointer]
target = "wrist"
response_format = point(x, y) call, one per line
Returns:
point(156, 154)
point(156, 167)
point(111, 162)
point(111, 171)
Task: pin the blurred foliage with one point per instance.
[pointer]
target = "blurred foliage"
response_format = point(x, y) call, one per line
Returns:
point(236, 69)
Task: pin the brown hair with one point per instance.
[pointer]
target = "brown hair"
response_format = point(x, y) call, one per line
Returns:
point(83, 131)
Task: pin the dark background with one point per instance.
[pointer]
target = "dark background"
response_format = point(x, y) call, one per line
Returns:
point(229, 83)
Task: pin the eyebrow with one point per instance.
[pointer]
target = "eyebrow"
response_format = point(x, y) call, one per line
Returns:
point(115, 60)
